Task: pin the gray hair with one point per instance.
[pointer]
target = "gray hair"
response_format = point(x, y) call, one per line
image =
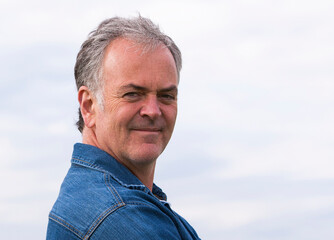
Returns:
point(88, 68)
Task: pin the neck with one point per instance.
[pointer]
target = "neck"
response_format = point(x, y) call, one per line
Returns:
point(144, 173)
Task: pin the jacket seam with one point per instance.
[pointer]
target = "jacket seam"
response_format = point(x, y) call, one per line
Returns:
point(76, 160)
point(65, 224)
point(112, 188)
point(100, 219)
point(113, 208)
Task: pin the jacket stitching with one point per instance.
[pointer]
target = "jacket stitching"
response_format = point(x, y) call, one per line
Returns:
point(112, 188)
point(76, 160)
point(119, 204)
point(98, 221)
point(66, 225)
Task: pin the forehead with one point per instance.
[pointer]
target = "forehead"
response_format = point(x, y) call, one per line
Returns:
point(126, 60)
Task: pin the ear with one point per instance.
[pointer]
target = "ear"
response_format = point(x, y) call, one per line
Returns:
point(88, 105)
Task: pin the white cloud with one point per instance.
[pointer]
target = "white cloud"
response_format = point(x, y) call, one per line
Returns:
point(297, 159)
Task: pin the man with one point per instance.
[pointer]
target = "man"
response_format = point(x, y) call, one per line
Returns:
point(127, 75)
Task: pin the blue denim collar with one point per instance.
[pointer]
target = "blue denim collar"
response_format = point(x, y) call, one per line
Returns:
point(93, 157)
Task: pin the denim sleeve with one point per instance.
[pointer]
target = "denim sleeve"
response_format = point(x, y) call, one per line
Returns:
point(58, 232)
point(137, 222)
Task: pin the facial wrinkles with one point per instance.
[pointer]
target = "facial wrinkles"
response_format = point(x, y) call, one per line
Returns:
point(115, 100)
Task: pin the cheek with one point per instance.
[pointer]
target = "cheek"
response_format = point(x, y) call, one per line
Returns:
point(124, 114)
point(170, 114)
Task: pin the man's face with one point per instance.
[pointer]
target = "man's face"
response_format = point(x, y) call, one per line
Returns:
point(140, 103)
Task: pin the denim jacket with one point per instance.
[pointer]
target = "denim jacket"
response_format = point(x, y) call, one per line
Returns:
point(101, 199)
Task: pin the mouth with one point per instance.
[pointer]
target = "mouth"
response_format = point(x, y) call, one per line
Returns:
point(147, 129)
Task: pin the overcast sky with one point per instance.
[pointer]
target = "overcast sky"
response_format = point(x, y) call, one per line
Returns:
point(252, 153)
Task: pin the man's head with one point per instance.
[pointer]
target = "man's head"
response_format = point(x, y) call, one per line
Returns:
point(127, 74)
point(88, 69)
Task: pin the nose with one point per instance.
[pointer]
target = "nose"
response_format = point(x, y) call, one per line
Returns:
point(150, 108)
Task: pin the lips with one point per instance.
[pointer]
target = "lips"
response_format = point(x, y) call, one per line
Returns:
point(157, 126)
point(147, 129)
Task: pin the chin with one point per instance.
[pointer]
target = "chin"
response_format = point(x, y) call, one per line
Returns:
point(146, 156)
point(142, 153)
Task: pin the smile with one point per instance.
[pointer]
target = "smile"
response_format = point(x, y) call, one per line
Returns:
point(147, 130)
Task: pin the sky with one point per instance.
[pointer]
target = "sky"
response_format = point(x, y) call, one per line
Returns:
point(252, 153)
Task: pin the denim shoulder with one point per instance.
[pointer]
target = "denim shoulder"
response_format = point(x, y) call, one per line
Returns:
point(86, 198)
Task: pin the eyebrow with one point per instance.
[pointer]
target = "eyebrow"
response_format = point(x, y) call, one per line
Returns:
point(144, 89)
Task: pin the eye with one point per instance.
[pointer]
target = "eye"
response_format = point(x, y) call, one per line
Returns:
point(167, 97)
point(131, 95)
